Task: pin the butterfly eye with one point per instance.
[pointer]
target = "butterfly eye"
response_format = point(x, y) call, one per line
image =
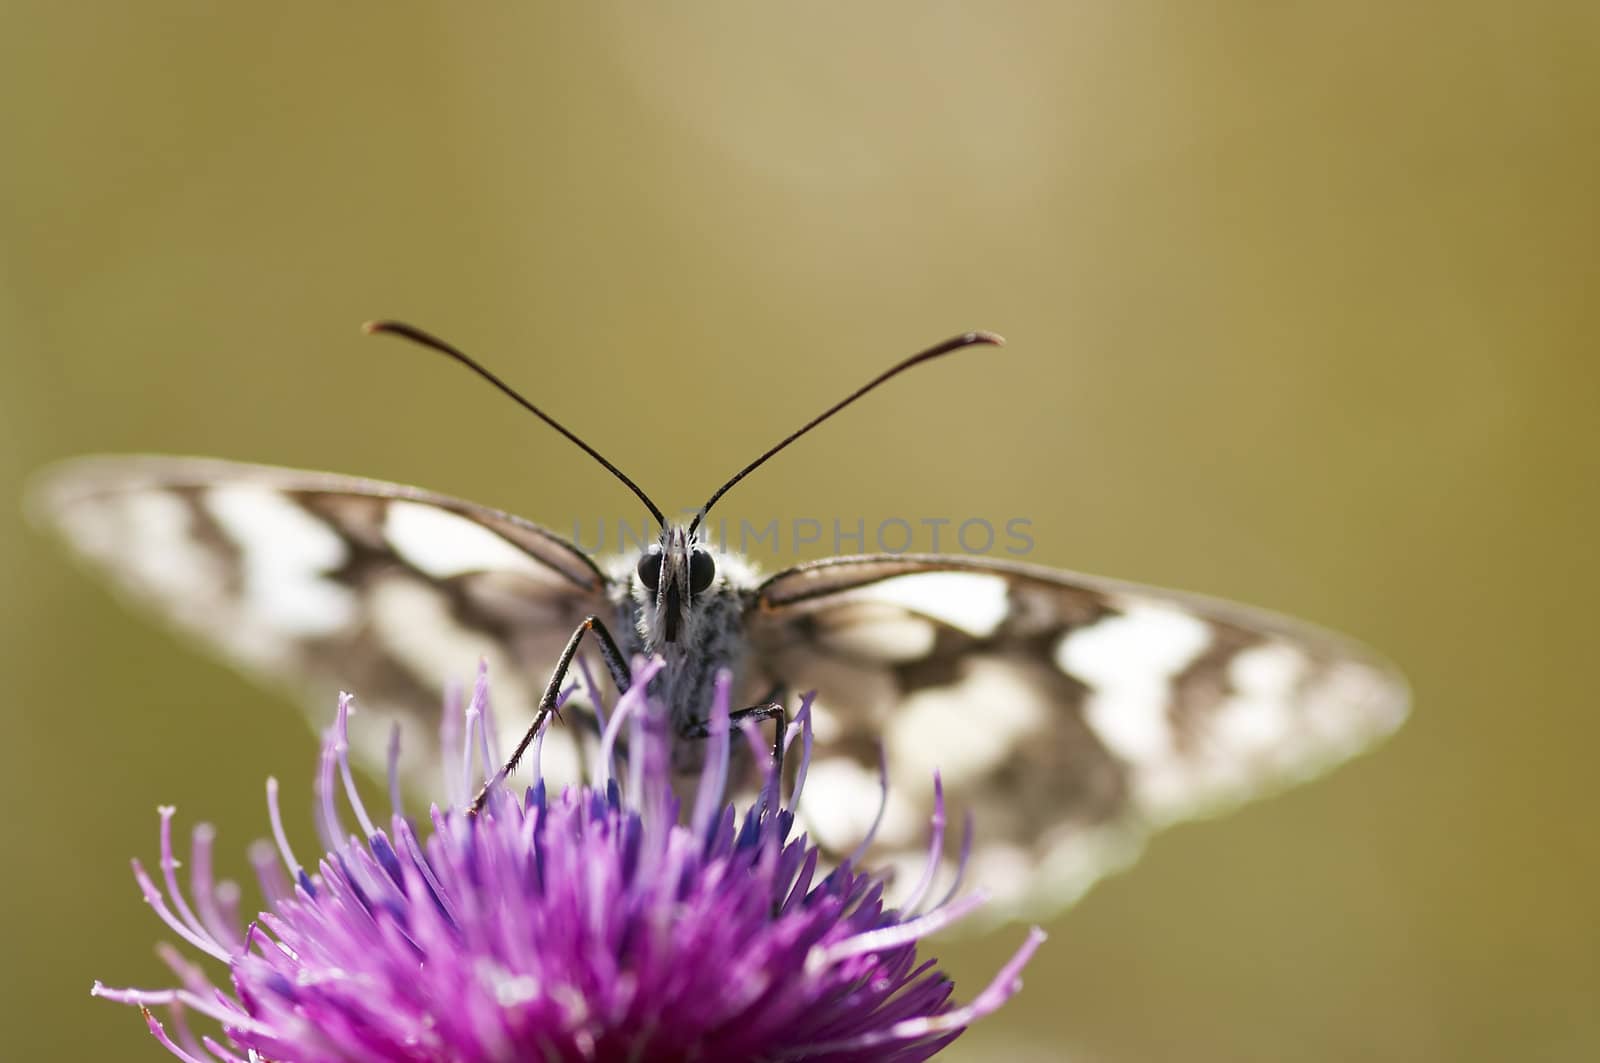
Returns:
point(650, 568)
point(701, 571)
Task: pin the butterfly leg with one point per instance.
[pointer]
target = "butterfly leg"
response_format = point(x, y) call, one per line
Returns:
point(769, 710)
point(615, 664)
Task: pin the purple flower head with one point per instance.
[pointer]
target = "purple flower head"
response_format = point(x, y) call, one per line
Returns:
point(593, 924)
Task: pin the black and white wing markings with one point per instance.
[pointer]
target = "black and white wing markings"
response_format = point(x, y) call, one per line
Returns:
point(331, 582)
point(1071, 714)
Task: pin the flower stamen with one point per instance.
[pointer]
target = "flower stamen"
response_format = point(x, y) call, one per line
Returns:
point(596, 923)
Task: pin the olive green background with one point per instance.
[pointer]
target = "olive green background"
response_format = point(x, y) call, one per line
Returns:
point(1301, 302)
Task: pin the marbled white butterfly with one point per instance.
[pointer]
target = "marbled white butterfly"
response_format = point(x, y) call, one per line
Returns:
point(1069, 714)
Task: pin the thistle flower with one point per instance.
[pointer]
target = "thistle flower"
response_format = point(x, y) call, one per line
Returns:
point(593, 924)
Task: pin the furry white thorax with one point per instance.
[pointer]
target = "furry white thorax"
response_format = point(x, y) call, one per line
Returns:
point(709, 632)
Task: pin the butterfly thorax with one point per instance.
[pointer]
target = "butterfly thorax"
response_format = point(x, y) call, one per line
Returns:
point(683, 602)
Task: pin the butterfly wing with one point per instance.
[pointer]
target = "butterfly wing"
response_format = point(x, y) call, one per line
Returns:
point(1070, 714)
point(332, 582)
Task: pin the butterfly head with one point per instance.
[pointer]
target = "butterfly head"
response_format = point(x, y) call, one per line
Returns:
point(671, 573)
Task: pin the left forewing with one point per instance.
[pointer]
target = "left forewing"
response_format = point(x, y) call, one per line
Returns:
point(325, 582)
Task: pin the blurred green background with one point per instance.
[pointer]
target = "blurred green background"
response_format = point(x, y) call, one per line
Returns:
point(1301, 302)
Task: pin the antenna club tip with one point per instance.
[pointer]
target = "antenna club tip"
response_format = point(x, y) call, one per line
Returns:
point(377, 325)
point(993, 339)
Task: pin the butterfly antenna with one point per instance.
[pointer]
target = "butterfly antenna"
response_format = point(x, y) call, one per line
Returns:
point(955, 343)
point(416, 335)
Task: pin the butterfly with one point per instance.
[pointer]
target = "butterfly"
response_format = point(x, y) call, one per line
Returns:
point(1070, 715)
